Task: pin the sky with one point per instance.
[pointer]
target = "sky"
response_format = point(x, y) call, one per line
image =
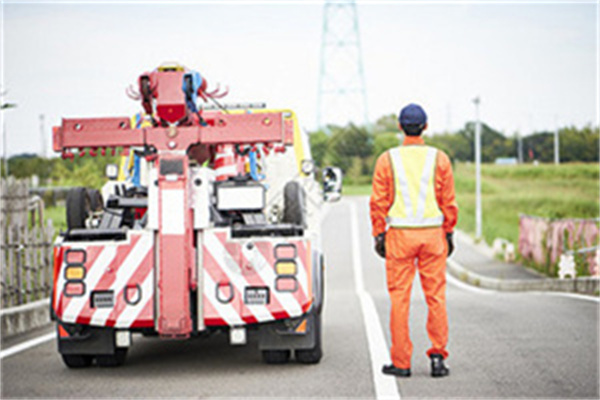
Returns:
point(533, 64)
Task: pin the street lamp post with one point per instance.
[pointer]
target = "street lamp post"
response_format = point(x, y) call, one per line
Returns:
point(476, 101)
point(556, 143)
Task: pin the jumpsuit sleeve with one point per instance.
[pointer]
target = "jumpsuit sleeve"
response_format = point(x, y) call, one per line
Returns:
point(444, 192)
point(382, 195)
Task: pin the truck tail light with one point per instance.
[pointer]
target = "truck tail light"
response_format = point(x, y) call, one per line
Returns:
point(285, 251)
point(75, 256)
point(74, 289)
point(286, 284)
point(285, 268)
point(75, 273)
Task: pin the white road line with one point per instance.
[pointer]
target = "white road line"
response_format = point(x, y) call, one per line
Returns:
point(385, 386)
point(26, 345)
point(571, 295)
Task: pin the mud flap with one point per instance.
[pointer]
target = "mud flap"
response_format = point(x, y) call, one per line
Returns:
point(79, 339)
point(297, 333)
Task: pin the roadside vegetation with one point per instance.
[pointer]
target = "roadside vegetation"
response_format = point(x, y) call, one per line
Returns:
point(545, 190)
point(570, 190)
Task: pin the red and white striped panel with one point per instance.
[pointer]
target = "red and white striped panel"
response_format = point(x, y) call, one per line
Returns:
point(114, 266)
point(230, 266)
point(225, 162)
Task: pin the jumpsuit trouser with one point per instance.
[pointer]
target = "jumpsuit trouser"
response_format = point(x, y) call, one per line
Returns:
point(427, 247)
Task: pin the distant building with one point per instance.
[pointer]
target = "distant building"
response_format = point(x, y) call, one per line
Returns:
point(506, 161)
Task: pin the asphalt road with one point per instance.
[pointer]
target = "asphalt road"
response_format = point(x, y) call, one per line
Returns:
point(501, 345)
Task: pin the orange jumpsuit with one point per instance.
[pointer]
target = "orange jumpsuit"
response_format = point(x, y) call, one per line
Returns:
point(426, 246)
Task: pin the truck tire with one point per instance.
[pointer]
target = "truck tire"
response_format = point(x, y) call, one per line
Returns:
point(276, 356)
point(114, 360)
point(77, 360)
point(314, 355)
point(294, 204)
point(96, 201)
point(79, 206)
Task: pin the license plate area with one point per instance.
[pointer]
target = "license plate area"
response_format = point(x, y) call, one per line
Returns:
point(257, 296)
point(102, 299)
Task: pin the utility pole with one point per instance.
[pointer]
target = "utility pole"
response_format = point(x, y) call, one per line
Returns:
point(476, 101)
point(42, 137)
point(342, 96)
point(556, 144)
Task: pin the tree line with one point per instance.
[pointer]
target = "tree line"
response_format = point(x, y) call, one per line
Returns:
point(355, 148)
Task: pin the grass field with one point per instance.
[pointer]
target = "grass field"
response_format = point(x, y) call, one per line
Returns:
point(565, 191)
point(58, 216)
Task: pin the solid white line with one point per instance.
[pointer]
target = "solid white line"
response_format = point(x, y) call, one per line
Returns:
point(26, 345)
point(571, 295)
point(385, 386)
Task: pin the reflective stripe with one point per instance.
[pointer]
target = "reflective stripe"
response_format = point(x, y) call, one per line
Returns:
point(415, 222)
point(415, 204)
point(425, 178)
point(401, 179)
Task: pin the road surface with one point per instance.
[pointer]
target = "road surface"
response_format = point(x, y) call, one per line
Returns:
point(501, 345)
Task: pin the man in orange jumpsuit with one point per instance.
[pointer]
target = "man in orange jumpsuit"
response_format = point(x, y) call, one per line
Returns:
point(413, 213)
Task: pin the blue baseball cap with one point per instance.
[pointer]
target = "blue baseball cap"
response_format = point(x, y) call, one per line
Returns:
point(412, 114)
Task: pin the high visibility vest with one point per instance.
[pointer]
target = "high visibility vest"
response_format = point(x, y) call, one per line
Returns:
point(415, 204)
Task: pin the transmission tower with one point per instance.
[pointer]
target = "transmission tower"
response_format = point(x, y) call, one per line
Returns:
point(342, 96)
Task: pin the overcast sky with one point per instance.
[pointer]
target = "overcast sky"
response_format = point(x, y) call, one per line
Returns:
point(534, 65)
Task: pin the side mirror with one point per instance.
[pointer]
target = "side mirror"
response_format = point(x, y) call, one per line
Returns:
point(332, 184)
point(111, 171)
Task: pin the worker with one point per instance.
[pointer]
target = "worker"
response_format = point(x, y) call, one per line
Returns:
point(413, 214)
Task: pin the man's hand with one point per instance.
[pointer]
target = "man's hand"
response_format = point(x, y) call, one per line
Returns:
point(450, 240)
point(380, 245)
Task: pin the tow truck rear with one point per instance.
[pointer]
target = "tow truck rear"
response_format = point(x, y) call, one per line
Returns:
point(216, 229)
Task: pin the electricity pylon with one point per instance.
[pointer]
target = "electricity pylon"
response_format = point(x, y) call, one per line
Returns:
point(342, 96)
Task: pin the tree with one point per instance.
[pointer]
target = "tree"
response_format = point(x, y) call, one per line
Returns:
point(383, 142)
point(348, 142)
point(318, 146)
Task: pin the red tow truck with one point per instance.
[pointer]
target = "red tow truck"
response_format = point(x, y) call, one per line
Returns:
point(216, 229)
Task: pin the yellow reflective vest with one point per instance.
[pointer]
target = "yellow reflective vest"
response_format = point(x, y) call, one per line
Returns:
point(415, 204)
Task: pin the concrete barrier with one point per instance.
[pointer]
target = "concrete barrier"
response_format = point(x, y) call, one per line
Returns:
point(20, 319)
point(583, 285)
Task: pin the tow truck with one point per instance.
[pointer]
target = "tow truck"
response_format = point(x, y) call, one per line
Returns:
point(215, 227)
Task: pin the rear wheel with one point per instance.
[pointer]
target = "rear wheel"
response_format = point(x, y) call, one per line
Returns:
point(96, 202)
point(77, 360)
point(314, 355)
point(294, 211)
point(276, 356)
point(114, 360)
point(79, 207)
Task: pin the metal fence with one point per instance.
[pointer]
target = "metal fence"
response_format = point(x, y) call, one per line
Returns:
point(25, 246)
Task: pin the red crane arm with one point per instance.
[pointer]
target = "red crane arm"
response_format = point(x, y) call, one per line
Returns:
point(94, 133)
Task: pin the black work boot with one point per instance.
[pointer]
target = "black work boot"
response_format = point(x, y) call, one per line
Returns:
point(392, 370)
point(438, 369)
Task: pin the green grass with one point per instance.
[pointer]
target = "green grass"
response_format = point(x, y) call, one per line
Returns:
point(545, 190)
point(58, 215)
